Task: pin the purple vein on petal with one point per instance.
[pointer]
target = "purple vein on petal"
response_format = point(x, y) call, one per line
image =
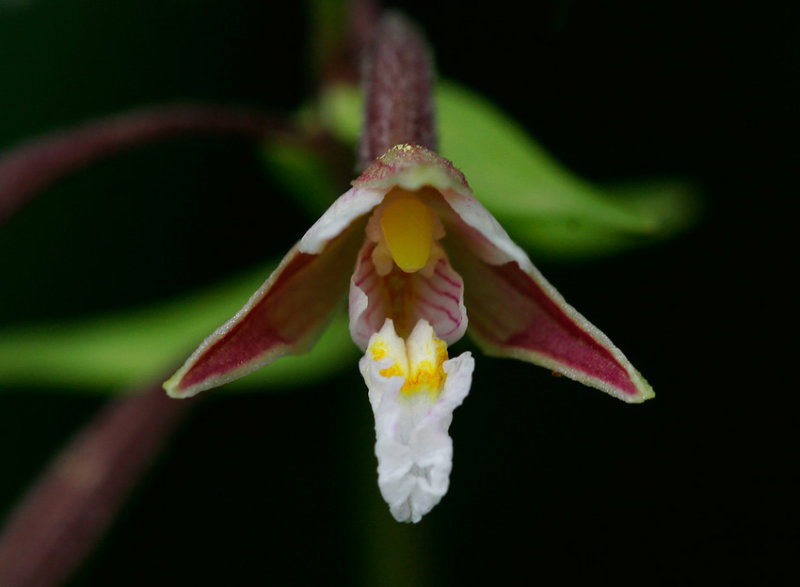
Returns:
point(27, 169)
point(437, 298)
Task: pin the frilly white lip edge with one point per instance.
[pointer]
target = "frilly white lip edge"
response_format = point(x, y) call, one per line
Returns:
point(413, 447)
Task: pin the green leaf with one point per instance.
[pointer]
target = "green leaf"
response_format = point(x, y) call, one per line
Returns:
point(302, 174)
point(673, 202)
point(341, 111)
point(543, 205)
point(112, 353)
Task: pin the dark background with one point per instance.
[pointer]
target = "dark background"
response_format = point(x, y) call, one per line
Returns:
point(552, 481)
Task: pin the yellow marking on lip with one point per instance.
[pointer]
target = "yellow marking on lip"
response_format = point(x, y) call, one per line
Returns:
point(392, 371)
point(425, 376)
point(378, 349)
point(428, 375)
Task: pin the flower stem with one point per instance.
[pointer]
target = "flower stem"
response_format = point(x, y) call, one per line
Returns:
point(29, 168)
point(68, 508)
point(398, 86)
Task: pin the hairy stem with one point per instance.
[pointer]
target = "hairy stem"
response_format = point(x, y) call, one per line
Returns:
point(77, 496)
point(398, 86)
point(31, 167)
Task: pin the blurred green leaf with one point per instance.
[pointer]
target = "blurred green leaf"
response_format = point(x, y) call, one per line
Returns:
point(675, 204)
point(540, 202)
point(328, 23)
point(113, 353)
point(340, 111)
point(543, 205)
point(301, 173)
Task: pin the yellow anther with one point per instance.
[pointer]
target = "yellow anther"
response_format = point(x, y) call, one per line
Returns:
point(407, 226)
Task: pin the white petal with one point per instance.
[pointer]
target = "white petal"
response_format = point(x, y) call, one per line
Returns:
point(354, 203)
point(476, 228)
point(413, 447)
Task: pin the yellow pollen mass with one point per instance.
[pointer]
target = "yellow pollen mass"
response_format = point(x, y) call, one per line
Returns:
point(407, 226)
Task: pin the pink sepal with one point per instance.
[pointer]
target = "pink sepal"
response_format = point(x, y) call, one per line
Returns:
point(286, 315)
point(518, 314)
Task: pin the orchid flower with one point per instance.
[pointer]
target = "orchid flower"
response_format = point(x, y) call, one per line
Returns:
point(424, 259)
